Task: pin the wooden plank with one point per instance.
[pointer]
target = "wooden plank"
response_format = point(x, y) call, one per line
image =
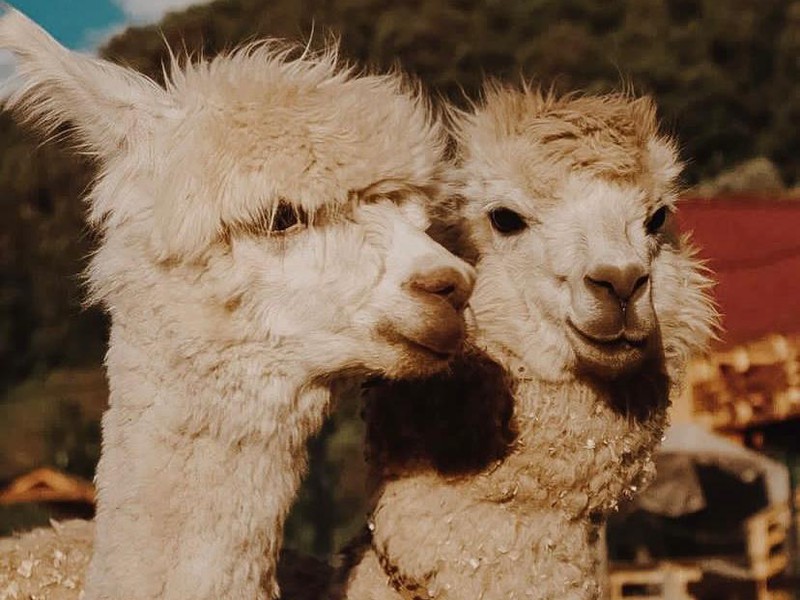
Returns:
point(667, 580)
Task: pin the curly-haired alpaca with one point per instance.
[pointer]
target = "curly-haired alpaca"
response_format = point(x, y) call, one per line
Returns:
point(262, 224)
point(497, 476)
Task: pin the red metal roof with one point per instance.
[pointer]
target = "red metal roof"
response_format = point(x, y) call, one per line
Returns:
point(753, 246)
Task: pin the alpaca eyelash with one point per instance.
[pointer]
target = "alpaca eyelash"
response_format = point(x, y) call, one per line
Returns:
point(279, 221)
point(506, 221)
point(657, 220)
point(286, 218)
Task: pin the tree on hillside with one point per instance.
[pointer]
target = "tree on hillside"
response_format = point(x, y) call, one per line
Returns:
point(43, 247)
point(721, 71)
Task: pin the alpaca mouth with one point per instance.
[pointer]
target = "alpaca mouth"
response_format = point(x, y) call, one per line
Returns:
point(608, 355)
point(443, 341)
point(436, 353)
point(614, 342)
point(426, 344)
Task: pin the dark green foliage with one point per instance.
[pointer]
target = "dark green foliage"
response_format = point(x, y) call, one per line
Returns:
point(43, 245)
point(73, 441)
point(21, 517)
point(53, 421)
point(50, 421)
point(332, 506)
point(725, 73)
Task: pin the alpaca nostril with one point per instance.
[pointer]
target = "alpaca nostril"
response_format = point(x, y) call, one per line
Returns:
point(446, 283)
point(622, 282)
point(601, 284)
point(641, 282)
point(444, 290)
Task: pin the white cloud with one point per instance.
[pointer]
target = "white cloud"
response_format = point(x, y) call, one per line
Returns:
point(152, 10)
point(95, 38)
point(6, 71)
point(6, 64)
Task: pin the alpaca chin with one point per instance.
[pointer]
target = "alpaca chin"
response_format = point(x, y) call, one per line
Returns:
point(608, 359)
point(422, 348)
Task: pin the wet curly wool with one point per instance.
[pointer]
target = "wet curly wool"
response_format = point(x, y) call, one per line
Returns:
point(520, 525)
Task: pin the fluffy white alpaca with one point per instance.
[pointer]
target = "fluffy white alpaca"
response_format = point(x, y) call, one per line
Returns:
point(498, 475)
point(262, 239)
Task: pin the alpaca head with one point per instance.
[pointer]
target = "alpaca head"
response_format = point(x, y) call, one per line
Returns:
point(568, 201)
point(258, 198)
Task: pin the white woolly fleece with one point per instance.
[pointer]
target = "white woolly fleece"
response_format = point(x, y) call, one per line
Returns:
point(262, 223)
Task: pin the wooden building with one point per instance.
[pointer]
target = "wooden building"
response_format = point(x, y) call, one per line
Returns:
point(43, 494)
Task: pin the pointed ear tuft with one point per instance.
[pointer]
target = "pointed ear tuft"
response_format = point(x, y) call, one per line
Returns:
point(107, 105)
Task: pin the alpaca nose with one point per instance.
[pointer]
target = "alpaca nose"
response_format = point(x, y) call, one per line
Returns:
point(622, 281)
point(447, 283)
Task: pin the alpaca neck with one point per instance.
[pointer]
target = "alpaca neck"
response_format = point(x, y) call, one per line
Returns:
point(207, 434)
point(583, 446)
point(580, 447)
point(232, 391)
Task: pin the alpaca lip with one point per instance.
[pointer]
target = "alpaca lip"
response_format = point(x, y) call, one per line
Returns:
point(442, 341)
point(439, 331)
point(617, 342)
point(607, 358)
point(437, 353)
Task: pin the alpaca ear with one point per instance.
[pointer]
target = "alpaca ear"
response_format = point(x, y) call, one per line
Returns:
point(107, 105)
point(661, 153)
point(663, 162)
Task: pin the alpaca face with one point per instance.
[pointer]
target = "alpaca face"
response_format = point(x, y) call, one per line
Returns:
point(257, 199)
point(369, 291)
point(569, 203)
point(584, 263)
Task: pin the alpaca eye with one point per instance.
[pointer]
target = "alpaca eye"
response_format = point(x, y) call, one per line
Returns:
point(286, 217)
point(506, 221)
point(657, 220)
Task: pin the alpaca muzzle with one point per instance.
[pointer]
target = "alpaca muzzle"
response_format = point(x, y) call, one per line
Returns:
point(441, 331)
point(441, 295)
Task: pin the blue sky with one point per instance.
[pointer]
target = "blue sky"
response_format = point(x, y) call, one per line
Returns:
point(85, 24)
point(75, 23)
point(82, 24)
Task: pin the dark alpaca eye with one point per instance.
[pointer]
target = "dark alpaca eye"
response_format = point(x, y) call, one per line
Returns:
point(657, 220)
point(286, 216)
point(506, 221)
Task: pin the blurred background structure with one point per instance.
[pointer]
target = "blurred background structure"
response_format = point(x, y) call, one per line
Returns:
point(726, 76)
